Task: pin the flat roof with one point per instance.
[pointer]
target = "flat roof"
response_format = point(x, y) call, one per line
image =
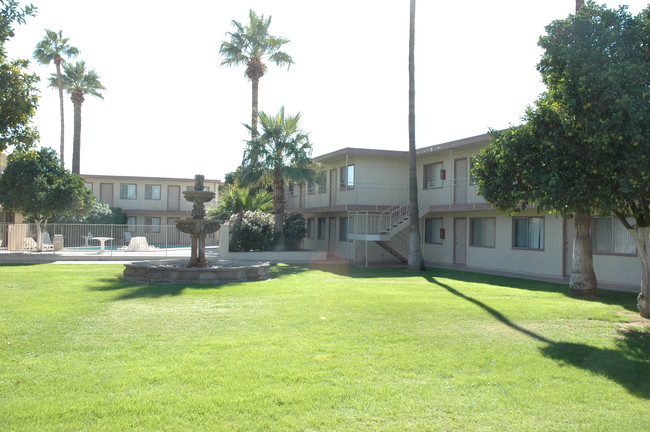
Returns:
point(119, 177)
point(464, 142)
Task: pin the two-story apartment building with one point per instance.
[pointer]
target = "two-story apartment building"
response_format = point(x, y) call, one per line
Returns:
point(359, 211)
point(147, 200)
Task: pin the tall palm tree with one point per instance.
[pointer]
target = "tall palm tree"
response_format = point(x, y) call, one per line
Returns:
point(251, 45)
point(78, 82)
point(415, 258)
point(55, 48)
point(279, 152)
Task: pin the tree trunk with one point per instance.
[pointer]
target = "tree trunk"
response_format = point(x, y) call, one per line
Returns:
point(40, 227)
point(583, 279)
point(278, 208)
point(256, 83)
point(641, 236)
point(579, 4)
point(76, 140)
point(415, 259)
point(62, 152)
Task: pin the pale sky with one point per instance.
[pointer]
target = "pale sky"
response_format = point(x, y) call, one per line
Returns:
point(171, 110)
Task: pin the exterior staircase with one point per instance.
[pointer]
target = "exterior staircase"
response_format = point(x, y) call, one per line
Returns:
point(388, 248)
point(386, 229)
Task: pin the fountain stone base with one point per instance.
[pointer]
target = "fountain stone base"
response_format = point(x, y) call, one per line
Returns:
point(177, 271)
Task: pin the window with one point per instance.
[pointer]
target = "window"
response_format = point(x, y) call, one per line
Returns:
point(322, 223)
point(432, 176)
point(432, 227)
point(293, 189)
point(128, 191)
point(343, 229)
point(152, 192)
point(322, 182)
point(347, 177)
point(482, 232)
point(311, 187)
point(153, 224)
point(528, 233)
point(609, 236)
point(310, 228)
point(89, 186)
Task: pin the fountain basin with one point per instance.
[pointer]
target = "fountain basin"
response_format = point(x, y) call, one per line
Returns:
point(198, 226)
point(177, 271)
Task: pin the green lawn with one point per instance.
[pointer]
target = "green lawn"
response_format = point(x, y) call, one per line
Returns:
point(317, 349)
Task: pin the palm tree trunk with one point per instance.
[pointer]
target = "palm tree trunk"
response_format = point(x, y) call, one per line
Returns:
point(256, 83)
point(583, 279)
point(278, 208)
point(415, 259)
point(76, 140)
point(58, 75)
point(579, 4)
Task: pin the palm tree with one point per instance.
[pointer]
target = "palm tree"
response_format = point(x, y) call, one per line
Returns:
point(234, 199)
point(251, 45)
point(415, 258)
point(53, 48)
point(78, 82)
point(280, 152)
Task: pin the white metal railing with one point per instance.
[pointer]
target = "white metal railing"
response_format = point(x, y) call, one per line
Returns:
point(453, 192)
point(377, 223)
point(83, 238)
point(378, 195)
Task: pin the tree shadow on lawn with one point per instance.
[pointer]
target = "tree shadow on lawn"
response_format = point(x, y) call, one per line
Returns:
point(626, 300)
point(629, 366)
point(134, 290)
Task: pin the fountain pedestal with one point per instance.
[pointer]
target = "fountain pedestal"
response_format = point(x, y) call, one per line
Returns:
point(198, 227)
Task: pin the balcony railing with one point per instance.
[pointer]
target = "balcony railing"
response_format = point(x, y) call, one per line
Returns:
point(450, 193)
point(367, 195)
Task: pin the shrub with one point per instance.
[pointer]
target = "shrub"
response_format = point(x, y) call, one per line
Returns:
point(294, 230)
point(251, 231)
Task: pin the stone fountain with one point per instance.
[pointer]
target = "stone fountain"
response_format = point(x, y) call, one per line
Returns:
point(199, 269)
point(198, 227)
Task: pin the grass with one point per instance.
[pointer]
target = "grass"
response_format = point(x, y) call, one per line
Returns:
point(332, 348)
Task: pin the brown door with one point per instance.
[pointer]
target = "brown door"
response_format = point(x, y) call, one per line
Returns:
point(331, 236)
point(173, 197)
point(460, 181)
point(106, 193)
point(333, 187)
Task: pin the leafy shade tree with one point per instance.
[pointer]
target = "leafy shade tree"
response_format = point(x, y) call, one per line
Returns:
point(100, 213)
point(279, 152)
point(54, 48)
point(78, 82)
point(18, 94)
point(36, 185)
point(415, 259)
point(251, 45)
point(585, 145)
point(234, 199)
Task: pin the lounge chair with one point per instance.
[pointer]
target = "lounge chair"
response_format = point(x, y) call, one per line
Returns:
point(29, 244)
point(47, 241)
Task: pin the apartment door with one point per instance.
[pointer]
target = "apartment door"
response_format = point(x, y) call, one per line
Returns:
point(331, 236)
point(106, 193)
point(332, 187)
point(460, 181)
point(460, 241)
point(173, 197)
